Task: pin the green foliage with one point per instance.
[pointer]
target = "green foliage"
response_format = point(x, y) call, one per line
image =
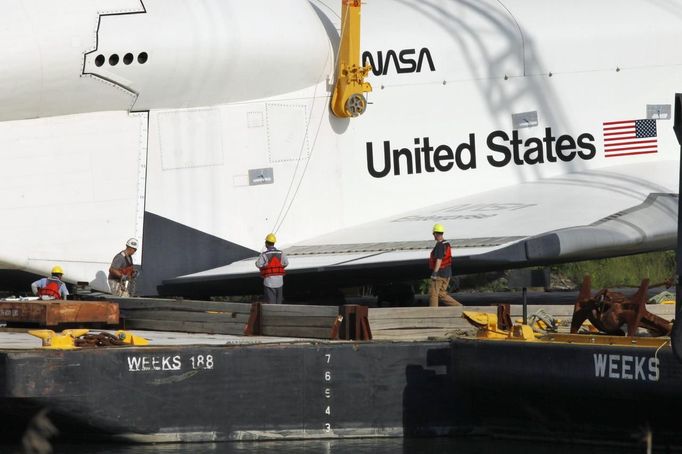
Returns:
point(622, 271)
point(615, 272)
point(422, 286)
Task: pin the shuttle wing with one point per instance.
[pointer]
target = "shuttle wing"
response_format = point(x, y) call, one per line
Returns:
point(580, 215)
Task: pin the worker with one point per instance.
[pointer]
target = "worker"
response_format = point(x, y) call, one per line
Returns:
point(51, 288)
point(121, 271)
point(271, 264)
point(440, 263)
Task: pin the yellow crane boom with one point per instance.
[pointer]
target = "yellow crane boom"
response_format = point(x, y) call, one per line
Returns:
point(348, 99)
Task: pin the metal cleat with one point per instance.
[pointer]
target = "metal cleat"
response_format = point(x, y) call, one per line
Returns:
point(486, 324)
point(489, 328)
point(64, 341)
point(523, 332)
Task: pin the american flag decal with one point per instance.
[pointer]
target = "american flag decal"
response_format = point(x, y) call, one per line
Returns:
point(630, 137)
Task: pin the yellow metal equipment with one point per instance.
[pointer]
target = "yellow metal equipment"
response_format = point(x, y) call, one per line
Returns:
point(130, 338)
point(348, 99)
point(75, 338)
point(488, 327)
point(64, 341)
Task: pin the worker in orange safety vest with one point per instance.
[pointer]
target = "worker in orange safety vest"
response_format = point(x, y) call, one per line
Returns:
point(122, 274)
point(440, 263)
point(51, 288)
point(271, 264)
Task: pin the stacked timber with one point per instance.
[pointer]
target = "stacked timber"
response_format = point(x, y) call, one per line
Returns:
point(293, 320)
point(417, 323)
point(212, 317)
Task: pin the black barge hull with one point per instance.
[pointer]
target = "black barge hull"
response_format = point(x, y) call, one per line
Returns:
point(542, 390)
point(329, 390)
point(207, 393)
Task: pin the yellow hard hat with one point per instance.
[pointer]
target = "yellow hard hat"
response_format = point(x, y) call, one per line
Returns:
point(438, 228)
point(271, 238)
point(57, 270)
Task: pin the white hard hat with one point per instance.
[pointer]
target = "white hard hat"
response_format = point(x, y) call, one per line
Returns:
point(133, 243)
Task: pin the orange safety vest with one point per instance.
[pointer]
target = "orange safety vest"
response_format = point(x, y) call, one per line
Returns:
point(446, 261)
point(51, 289)
point(273, 267)
point(126, 271)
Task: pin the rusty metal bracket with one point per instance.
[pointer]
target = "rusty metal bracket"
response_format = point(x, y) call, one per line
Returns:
point(610, 311)
point(504, 321)
point(336, 326)
point(253, 326)
point(355, 325)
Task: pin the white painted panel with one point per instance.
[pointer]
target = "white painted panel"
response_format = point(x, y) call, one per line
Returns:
point(69, 190)
point(587, 35)
point(287, 138)
point(466, 40)
point(218, 199)
point(190, 138)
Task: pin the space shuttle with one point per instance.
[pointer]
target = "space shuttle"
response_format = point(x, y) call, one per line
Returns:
point(536, 132)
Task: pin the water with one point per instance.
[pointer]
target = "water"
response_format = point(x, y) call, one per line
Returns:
point(350, 446)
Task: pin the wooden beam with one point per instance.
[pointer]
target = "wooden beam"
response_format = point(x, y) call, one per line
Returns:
point(182, 305)
point(297, 331)
point(229, 317)
point(55, 312)
point(414, 312)
point(419, 323)
point(185, 326)
point(299, 310)
point(411, 334)
point(280, 320)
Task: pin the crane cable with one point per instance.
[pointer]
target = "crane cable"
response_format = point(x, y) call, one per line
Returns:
point(284, 211)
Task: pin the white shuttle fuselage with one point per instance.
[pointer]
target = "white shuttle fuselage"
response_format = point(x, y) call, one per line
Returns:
point(200, 126)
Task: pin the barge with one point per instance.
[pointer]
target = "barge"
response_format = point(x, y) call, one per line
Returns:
point(286, 389)
point(191, 388)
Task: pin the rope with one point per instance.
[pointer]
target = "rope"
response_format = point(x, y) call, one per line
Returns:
point(660, 347)
point(284, 210)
